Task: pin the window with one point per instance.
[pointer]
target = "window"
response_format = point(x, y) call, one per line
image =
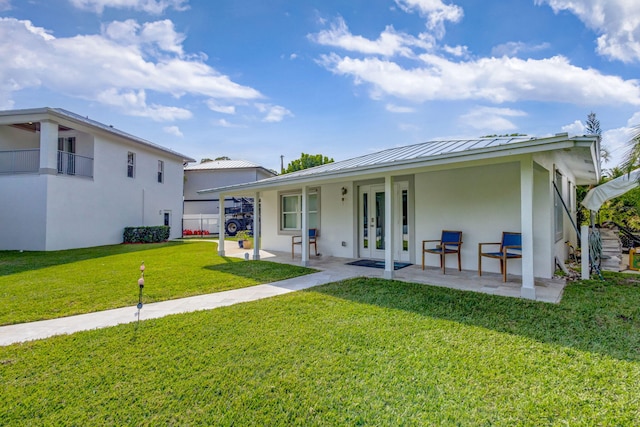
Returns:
point(131, 164)
point(558, 208)
point(160, 171)
point(291, 211)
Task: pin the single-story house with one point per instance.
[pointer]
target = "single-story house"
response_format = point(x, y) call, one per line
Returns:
point(382, 205)
point(67, 181)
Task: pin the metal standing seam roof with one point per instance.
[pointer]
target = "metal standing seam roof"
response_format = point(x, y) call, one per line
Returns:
point(423, 150)
point(118, 132)
point(399, 155)
point(223, 164)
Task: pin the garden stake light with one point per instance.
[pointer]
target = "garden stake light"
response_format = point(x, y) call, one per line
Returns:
point(141, 285)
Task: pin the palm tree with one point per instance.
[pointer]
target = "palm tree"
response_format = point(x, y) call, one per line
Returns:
point(632, 158)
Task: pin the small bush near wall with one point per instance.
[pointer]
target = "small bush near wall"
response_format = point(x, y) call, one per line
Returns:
point(146, 234)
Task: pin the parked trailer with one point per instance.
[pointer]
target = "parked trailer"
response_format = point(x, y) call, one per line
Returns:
point(239, 216)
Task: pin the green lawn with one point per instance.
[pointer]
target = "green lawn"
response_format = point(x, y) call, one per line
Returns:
point(45, 285)
point(358, 352)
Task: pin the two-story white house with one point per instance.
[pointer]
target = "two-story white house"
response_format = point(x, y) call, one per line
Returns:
point(67, 181)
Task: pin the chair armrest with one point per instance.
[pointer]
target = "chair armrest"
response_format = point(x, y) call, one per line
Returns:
point(427, 241)
point(480, 245)
point(293, 239)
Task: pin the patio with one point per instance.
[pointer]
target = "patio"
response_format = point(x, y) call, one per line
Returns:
point(547, 290)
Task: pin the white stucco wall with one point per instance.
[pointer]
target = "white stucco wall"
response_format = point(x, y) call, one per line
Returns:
point(480, 201)
point(16, 139)
point(23, 212)
point(336, 222)
point(56, 211)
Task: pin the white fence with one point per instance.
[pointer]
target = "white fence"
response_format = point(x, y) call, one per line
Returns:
point(196, 224)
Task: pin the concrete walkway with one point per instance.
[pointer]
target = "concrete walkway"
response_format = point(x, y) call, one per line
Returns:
point(102, 319)
point(331, 270)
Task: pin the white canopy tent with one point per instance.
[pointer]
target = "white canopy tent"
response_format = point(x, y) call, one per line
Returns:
point(611, 189)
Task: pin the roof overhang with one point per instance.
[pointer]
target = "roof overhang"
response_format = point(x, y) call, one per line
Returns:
point(579, 153)
point(67, 120)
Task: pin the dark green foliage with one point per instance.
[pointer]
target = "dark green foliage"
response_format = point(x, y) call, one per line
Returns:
point(307, 161)
point(593, 125)
point(153, 234)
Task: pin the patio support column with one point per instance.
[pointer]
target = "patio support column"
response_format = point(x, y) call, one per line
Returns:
point(221, 225)
point(256, 226)
point(388, 227)
point(305, 229)
point(48, 147)
point(528, 289)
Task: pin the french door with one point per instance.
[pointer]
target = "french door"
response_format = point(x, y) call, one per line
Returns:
point(371, 223)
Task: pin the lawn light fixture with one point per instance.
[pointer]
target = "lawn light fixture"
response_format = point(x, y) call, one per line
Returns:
point(141, 285)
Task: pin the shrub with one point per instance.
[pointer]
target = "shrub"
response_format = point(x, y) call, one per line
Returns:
point(155, 234)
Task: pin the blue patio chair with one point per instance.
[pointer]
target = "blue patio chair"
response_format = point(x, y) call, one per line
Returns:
point(450, 243)
point(510, 248)
point(313, 240)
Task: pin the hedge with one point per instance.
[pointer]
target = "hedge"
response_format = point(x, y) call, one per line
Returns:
point(154, 234)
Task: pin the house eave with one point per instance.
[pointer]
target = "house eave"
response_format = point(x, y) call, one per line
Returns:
point(529, 147)
point(68, 119)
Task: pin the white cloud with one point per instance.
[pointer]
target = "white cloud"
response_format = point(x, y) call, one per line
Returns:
point(491, 119)
point(225, 109)
point(616, 141)
point(225, 124)
point(154, 36)
point(155, 7)
point(126, 61)
point(399, 109)
point(460, 51)
point(496, 80)
point(514, 48)
point(274, 113)
point(135, 103)
point(575, 128)
point(173, 130)
point(617, 22)
point(389, 43)
point(436, 12)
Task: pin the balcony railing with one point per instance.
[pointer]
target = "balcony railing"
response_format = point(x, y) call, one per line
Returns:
point(28, 161)
point(19, 161)
point(73, 164)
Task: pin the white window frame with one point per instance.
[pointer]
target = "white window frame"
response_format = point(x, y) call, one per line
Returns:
point(298, 212)
point(557, 205)
point(131, 164)
point(160, 171)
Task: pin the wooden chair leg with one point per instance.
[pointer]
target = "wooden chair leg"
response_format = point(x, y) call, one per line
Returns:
point(504, 272)
point(459, 266)
point(423, 260)
point(443, 264)
point(479, 263)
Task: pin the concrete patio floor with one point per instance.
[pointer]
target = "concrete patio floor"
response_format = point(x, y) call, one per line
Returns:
point(547, 290)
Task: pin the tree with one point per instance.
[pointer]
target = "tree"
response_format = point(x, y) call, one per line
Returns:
point(222, 158)
point(307, 161)
point(632, 158)
point(593, 125)
point(593, 128)
point(205, 160)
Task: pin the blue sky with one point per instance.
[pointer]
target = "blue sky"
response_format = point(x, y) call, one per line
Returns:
point(257, 79)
